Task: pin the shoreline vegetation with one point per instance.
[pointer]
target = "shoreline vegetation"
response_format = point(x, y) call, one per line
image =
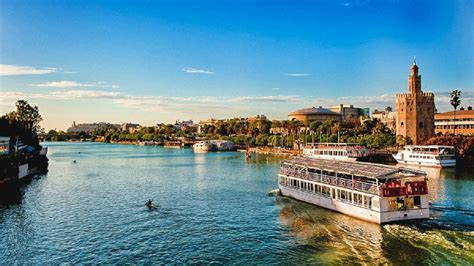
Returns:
point(270, 137)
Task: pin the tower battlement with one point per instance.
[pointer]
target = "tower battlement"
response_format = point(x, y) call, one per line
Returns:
point(423, 94)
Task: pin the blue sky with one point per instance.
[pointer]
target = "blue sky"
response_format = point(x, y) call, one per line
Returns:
point(158, 61)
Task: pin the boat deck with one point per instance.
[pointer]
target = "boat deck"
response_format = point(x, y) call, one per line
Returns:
point(369, 170)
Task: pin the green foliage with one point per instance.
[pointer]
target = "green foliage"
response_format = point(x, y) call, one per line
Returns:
point(463, 145)
point(28, 116)
point(455, 99)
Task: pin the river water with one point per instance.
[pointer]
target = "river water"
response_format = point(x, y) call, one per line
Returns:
point(213, 208)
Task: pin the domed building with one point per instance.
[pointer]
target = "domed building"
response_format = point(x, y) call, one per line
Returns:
point(315, 114)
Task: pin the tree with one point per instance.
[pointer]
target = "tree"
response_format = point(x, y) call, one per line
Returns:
point(26, 115)
point(455, 102)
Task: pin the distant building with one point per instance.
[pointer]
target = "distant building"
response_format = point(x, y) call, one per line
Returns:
point(338, 113)
point(415, 110)
point(207, 122)
point(182, 125)
point(365, 112)
point(257, 117)
point(348, 112)
point(464, 124)
point(130, 127)
point(314, 114)
point(91, 127)
point(389, 119)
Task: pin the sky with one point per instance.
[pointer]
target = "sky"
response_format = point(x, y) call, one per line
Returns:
point(160, 61)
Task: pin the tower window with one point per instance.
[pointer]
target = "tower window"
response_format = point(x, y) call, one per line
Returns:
point(401, 123)
point(420, 124)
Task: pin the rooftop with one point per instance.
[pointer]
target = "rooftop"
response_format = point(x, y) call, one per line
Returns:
point(459, 114)
point(314, 111)
point(370, 170)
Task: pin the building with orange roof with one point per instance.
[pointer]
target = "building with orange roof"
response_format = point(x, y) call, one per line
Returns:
point(464, 123)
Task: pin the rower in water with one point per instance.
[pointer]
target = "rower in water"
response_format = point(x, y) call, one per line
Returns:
point(149, 204)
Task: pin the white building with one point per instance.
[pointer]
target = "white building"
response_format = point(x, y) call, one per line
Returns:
point(91, 127)
point(387, 118)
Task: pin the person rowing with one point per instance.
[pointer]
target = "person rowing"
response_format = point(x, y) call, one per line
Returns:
point(149, 204)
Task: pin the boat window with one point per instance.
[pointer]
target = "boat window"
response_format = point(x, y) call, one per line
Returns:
point(342, 196)
point(392, 204)
point(369, 202)
point(417, 201)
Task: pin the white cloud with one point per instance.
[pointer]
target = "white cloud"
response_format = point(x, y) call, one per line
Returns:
point(70, 72)
point(297, 74)
point(204, 106)
point(12, 70)
point(63, 84)
point(69, 84)
point(276, 89)
point(271, 99)
point(197, 71)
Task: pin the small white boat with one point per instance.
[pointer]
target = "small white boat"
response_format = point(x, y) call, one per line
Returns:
point(203, 146)
point(337, 151)
point(428, 155)
point(146, 143)
point(223, 145)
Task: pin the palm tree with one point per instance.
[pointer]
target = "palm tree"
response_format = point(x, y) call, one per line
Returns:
point(455, 102)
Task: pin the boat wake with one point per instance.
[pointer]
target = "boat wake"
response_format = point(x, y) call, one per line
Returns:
point(274, 193)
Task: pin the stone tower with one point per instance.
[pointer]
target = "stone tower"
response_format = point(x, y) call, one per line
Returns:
point(415, 110)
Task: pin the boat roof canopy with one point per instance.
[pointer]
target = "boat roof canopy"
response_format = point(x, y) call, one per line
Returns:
point(429, 146)
point(370, 170)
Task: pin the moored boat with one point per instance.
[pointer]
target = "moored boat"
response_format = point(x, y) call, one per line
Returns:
point(223, 145)
point(203, 146)
point(146, 143)
point(426, 155)
point(372, 192)
point(336, 151)
point(214, 145)
point(174, 144)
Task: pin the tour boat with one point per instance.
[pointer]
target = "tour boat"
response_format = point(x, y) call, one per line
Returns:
point(214, 145)
point(146, 143)
point(223, 145)
point(174, 144)
point(203, 146)
point(372, 192)
point(337, 151)
point(432, 155)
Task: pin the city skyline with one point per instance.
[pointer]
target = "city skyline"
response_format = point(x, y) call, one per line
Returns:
point(161, 61)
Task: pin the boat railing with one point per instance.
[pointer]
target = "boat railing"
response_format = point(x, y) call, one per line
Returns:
point(366, 187)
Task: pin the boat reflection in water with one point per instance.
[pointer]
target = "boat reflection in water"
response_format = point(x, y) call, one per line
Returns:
point(331, 237)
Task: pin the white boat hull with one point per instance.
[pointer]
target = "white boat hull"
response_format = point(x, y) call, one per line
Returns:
point(354, 210)
point(426, 162)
